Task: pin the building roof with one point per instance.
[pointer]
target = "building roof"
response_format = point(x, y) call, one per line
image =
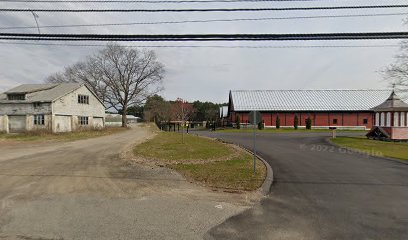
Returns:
point(40, 92)
point(307, 100)
point(393, 103)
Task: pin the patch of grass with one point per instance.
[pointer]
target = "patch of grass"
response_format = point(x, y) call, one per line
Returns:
point(398, 150)
point(284, 130)
point(168, 146)
point(69, 136)
point(234, 174)
point(204, 160)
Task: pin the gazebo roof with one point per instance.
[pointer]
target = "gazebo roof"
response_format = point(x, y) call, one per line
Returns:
point(393, 103)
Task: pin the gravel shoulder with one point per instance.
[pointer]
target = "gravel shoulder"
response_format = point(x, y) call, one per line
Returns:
point(87, 190)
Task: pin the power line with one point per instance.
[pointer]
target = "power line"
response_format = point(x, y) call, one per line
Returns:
point(150, 1)
point(207, 21)
point(205, 37)
point(208, 9)
point(205, 46)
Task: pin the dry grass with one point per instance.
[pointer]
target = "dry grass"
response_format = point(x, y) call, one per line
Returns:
point(34, 136)
point(207, 161)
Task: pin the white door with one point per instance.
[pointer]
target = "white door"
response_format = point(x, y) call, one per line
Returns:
point(17, 124)
point(97, 122)
point(62, 123)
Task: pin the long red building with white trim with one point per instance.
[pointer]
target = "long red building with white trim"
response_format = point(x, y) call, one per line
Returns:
point(325, 108)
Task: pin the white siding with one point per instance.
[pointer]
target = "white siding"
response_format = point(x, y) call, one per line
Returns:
point(403, 123)
point(68, 105)
point(377, 119)
point(382, 120)
point(62, 123)
point(17, 123)
point(396, 119)
point(388, 120)
point(24, 108)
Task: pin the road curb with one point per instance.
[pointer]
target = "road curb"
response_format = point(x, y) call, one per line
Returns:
point(266, 185)
point(328, 141)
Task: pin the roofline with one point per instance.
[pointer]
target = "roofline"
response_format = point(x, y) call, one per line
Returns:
point(280, 90)
point(80, 85)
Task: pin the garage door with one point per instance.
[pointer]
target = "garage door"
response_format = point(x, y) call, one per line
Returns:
point(63, 123)
point(17, 124)
point(98, 122)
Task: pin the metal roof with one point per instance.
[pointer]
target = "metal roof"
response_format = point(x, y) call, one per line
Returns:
point(307, 100)
point(40, 92)
point(393, 103)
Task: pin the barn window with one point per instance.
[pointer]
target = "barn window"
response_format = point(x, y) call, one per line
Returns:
point(37, 104)
point(83, 99)
point(16, 96)
point(39, 119)
point(83, 120)
point(335, 121)
point(365, 121)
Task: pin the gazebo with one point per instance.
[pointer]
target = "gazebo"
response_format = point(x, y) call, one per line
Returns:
point(391, 120)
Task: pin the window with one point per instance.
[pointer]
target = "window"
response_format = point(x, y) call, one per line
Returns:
point(37, 104)
point(16, 96)
point(83, 120)
point(335, 121)
point(83, 99)
point(39, 119)
point(365, 121)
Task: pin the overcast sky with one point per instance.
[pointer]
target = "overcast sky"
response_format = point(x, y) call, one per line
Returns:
point(209, 73)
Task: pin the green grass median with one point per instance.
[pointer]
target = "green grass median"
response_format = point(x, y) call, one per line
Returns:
point(206, 161)
point(398, 150)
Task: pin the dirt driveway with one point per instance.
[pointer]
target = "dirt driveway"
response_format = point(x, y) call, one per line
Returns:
point(83, 190)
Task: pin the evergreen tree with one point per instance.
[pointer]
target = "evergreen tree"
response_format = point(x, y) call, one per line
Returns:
point(296, 122)
point(238, 121)
point(308, 123)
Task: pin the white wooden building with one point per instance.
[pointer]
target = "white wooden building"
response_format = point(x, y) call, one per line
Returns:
point(61, 107)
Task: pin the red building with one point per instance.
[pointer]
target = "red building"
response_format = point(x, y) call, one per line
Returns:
point(325, 108)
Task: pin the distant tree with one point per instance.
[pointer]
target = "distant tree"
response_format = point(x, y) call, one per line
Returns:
point(157, 109)
point(308, 123)
point(206, 111)
point(296, 122)
point(121, 77)
point(137, 111)
point(238, 122)
point(182, 111)
point(277, 122)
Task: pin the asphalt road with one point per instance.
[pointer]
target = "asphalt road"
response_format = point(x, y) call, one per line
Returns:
point(321, 192)
point(85, 190)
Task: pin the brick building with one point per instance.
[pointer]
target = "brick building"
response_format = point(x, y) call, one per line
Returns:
point(326, 108)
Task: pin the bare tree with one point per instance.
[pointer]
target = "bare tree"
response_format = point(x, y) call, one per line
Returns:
point(397, 72)
point(182, 111)
point(121, 77)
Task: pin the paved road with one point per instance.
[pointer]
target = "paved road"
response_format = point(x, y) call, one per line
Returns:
point(83, 190)
point(321, 192)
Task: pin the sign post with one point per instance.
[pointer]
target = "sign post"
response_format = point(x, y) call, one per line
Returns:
point(254, 117)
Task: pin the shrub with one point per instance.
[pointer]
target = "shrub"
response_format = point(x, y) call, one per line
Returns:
point(238, 122)
point(261, 125)
point(296, 122)
point(308, 123)
point(277, 122)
